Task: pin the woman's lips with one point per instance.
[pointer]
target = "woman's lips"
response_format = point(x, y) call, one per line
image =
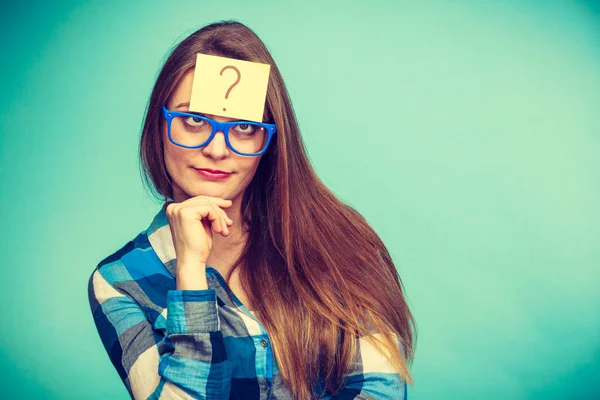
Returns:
point(210, 174)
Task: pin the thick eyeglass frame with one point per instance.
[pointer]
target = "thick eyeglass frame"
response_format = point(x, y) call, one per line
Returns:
point(218, 126)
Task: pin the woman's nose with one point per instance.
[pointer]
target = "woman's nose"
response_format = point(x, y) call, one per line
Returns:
point(217, 147)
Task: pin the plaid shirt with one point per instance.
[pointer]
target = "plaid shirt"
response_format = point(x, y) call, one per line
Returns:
point(197, 344)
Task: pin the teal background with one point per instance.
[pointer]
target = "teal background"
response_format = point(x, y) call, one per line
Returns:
point(467, 133)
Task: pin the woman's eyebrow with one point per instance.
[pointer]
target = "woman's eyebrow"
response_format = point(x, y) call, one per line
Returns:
point(199, 113)
point(187, 105)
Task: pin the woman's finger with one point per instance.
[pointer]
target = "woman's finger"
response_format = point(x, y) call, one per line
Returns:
point(227, 222)
point(224, 218)
point(213, 216)
point(221, 223)
point(221, 202)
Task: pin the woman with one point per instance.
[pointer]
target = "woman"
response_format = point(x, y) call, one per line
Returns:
point(311, 304)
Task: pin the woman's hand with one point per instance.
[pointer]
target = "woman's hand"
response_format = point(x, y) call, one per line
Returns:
point(192, 222)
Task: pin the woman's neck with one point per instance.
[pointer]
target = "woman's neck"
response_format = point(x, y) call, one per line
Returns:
point(226, 249)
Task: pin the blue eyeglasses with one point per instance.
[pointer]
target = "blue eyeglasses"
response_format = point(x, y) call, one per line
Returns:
point(192, 131)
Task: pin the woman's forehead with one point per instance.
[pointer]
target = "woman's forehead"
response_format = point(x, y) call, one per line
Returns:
point(185, 106)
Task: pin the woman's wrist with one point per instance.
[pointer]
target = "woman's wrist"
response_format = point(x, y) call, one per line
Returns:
point(191, 276)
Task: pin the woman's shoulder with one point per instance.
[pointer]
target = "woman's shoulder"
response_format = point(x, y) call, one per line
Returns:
point(124, 269)
point(115, 262)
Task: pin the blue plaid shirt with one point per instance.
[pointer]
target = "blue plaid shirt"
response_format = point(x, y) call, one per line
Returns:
point(197, 344)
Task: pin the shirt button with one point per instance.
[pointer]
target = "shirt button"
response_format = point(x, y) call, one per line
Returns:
point(264, 344)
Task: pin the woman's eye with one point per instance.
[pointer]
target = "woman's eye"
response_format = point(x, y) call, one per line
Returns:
point(245, 128)
point(194, 121)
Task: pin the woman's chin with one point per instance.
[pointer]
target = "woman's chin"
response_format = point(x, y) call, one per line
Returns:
point(210, 193)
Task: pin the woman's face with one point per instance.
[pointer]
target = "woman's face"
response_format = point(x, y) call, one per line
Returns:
point(182, 163)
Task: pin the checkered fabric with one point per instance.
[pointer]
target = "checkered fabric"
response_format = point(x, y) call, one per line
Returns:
point(197, 344)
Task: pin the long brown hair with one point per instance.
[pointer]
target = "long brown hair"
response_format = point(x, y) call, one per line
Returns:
point(325, 276)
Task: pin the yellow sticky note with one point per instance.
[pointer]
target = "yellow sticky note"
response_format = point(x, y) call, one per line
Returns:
point(229, 87)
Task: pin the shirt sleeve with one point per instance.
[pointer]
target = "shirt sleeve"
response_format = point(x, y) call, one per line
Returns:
point(371, 377)
point(188, 362)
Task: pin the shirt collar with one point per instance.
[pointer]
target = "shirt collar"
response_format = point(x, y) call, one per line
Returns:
point(161, 240)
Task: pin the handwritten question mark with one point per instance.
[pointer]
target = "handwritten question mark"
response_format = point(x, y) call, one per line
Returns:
point(239, 76)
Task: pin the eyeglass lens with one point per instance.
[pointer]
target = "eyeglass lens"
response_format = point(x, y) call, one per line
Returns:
point(192, 131)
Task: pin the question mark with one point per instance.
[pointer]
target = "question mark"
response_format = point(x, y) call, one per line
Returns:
point(239, 76)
